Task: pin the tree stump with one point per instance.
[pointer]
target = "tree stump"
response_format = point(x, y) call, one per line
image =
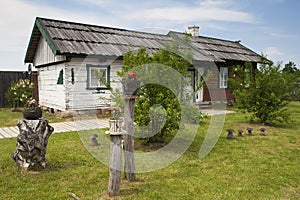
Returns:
point(32, 142)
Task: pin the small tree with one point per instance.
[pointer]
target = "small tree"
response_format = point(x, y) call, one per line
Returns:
point(151, 95)
point(264, 92)
point(292, 75)
point(20, 92)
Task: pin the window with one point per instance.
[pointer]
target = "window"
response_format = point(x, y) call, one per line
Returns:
point(98, 77)
point(223, 76)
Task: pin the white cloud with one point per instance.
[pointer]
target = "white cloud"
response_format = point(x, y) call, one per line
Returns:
point(209, 10)
point(16, 27)
point(273, 52)
point(215, 3)
point(98, 3)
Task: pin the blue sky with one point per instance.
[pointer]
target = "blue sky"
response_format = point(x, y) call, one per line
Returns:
point(269, 26)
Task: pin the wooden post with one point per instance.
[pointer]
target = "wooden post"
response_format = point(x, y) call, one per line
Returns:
point(129, 165)
point(115, 165)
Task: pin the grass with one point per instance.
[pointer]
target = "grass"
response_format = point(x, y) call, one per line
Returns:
point(252, 167)
point(9, 118)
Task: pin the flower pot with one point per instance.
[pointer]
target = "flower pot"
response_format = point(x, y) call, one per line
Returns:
point(130, 87)
point(32, 113)
point(115, 125)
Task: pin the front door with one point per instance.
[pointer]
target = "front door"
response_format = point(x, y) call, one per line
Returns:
point(199, 91)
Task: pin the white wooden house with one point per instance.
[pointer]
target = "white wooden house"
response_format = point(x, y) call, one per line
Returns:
point(66, 54)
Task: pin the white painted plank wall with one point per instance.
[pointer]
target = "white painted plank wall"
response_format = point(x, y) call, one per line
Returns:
point(77, 96)
point(70, 96)
point(44, 54)
point(50, 94)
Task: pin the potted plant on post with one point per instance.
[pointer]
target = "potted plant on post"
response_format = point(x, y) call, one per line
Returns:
point(32, 112)
point(130, 84)
point(115, 122)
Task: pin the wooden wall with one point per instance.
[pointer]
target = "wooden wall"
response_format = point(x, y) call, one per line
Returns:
point(75, 96)
point(51, 94)
point(44, 54)
point(212, 90)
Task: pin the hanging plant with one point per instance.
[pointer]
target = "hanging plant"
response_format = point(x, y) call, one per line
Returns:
point(130, 84)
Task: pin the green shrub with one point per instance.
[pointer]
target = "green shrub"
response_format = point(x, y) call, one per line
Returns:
point(191, 114)
point(20, 92)
point(264, 92)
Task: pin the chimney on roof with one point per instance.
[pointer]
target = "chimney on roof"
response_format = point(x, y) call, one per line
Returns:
point(194, 30)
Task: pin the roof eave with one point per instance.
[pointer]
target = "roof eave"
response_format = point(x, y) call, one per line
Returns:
point(38, 25)
point(27, 59)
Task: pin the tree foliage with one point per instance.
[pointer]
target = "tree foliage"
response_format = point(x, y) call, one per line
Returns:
point(264, 92)
point(147, 110)
point(292, 75)
point(20, 92)
point(290, 67)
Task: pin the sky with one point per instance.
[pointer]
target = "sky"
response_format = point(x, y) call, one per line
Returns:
point(270, 27)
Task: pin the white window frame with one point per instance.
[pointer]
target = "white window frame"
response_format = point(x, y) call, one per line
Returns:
point(92, 82)
point(223, 77)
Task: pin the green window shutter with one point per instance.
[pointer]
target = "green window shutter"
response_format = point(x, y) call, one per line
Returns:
point(108, 77)
point(72, 76)
point(60, 79)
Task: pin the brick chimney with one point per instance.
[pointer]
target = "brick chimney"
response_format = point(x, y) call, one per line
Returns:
point(194, 30)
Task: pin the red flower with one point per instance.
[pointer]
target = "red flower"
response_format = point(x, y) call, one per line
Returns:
point(131, 76)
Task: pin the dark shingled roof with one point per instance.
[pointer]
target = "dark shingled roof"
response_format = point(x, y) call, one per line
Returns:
point(69, 38)
point(220, 50)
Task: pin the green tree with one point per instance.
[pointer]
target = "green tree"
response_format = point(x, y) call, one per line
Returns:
point(290, 67)
point(292, 75)
point(263, 92)
point(152, 95)
point(20, 92)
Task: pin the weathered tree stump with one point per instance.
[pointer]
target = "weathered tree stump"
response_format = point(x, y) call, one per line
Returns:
point(129, 165)
point(32, 142)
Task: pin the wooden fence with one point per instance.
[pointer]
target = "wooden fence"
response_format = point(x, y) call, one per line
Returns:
point(7, 78)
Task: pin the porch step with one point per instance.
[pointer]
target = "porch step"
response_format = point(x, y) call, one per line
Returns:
point(205, 104)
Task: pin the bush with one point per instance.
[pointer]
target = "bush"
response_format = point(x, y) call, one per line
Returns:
point(264, 92)
point(155, 93)
point(162, 109)
point(20, 92)
point(191, 114)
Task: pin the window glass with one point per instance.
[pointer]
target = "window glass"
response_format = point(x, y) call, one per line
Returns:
point(98, 76)
point(223, 77)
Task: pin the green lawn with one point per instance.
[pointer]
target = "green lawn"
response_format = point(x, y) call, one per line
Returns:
point(245, 168)
point(9, 118)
